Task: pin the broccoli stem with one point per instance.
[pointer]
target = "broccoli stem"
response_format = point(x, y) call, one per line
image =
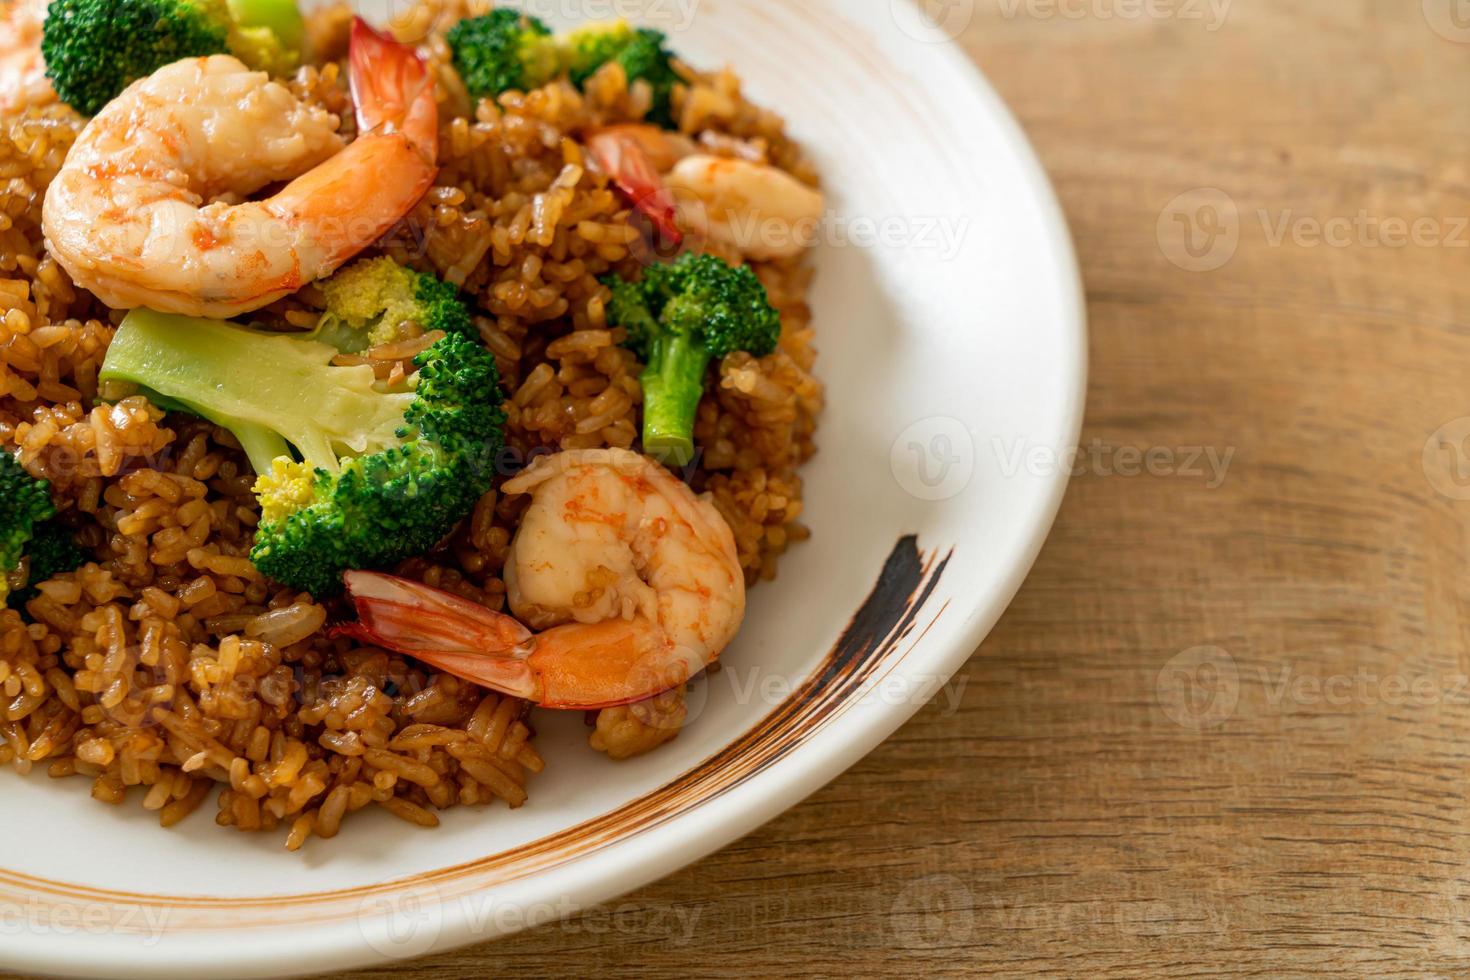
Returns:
point(673, 384)
point(271, 390)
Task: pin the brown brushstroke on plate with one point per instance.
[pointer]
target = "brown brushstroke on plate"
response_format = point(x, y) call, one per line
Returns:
point(885, 619)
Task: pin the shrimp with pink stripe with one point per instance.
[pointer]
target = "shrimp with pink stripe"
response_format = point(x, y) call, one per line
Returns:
point(152, 207)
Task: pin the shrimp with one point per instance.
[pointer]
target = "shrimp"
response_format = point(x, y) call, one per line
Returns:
point(126, 216)
point(757, 209)
point(661, 148)
point(631, 580)
point(760, 210)
point(23, 80)
point(631, 161)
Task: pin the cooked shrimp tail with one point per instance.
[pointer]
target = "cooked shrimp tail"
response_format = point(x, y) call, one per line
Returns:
point(392, 89)
point(630, 585)
point(633, 169)
point(746, 205)
point(394, 153)
point(577, 667)
point(440, 629)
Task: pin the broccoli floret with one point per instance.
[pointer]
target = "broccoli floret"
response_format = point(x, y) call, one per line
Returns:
point(53, 550)
point(95, 48)
point(370, 302)
point(678, 317)
point(641, 53)
point(646, 59)
point(30, 539)
point(504, 50)
point(25, 503)
point(590, 47)
point(351, 473)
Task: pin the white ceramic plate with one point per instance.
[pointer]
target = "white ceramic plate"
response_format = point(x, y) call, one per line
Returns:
point(950, 320)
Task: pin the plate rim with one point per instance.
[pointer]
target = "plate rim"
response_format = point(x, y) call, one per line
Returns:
point(621, 866)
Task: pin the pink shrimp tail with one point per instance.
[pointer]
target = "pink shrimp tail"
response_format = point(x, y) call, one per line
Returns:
point(442, 630)
point(392, 89)
point(578, 666)
point(625, 160)
point(393, 157)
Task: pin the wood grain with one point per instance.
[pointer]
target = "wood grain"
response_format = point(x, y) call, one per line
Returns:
point(1060, 819)
point(1059, 822)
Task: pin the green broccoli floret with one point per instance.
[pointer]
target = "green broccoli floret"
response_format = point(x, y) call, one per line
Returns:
point(370, 301)
point(679, 316)
point(95, 48)
point(590, 47)
point(30, 540)
point(25, 503)
point(53, 551)
point(646, 59)
point(351, 473)
point(641, 53)
point(504, 50)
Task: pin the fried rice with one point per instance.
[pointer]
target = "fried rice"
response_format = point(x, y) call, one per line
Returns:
point(170, 665)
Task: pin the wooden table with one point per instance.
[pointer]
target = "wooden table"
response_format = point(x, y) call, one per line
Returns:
point(1223, 728)
point(1095, 804)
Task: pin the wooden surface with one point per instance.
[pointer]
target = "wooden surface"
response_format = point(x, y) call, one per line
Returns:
point(1062, 821)
point(1091, 806)
point(1088, 809)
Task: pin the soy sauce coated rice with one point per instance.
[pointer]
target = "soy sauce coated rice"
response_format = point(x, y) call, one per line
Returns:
point(168, 667)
